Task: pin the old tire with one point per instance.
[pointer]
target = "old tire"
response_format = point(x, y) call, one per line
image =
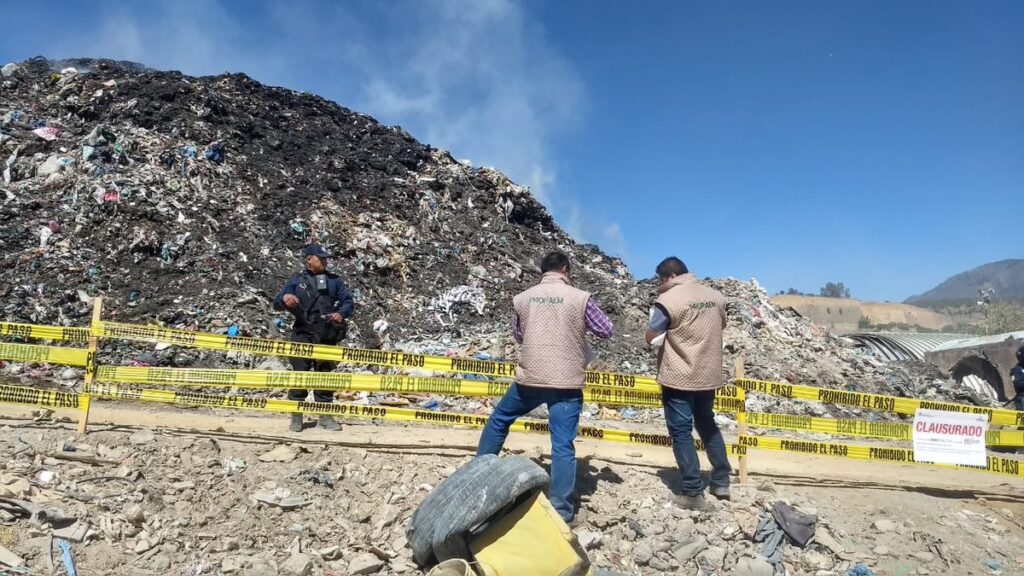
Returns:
point(484, 486)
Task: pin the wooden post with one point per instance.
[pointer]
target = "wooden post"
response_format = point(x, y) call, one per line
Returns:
point(90, 366)
point(741, 421)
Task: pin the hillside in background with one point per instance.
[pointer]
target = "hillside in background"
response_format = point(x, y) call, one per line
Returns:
point(1005, 278)
point(845, 315)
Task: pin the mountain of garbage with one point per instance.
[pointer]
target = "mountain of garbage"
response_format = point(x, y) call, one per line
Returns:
point(185, 201)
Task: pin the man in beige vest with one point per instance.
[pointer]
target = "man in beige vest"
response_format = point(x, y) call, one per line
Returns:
point(690, 317)
point(550, 322)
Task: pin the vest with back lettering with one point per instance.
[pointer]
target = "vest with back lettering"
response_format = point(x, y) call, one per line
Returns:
point(552, 317)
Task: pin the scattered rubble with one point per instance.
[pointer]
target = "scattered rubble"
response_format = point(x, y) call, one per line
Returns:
point(169, 506)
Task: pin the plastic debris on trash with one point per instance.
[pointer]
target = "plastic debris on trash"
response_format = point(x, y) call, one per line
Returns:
point(67, 558)
point(317, 477)
point(860, 570)
point(214, 152)
point(449, 301)
point(48, 133)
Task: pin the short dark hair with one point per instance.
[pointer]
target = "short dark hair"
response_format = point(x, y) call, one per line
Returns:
point(671, 266)
point(554, 262)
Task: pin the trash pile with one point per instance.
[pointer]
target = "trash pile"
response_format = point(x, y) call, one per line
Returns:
point(184, 201)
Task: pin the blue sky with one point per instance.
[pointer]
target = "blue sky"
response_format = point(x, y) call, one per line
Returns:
point(876, 143)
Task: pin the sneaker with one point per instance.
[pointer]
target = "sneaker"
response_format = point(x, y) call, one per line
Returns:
point(328, 423)
point(296, 425)
point(691, 502)
point(720, 492)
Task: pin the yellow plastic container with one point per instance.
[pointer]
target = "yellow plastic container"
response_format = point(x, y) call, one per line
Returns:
point(532, 540)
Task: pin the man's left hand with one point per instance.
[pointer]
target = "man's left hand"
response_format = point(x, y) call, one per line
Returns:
point(335, 318)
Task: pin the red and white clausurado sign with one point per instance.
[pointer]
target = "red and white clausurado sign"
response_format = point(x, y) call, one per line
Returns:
point(950, 437)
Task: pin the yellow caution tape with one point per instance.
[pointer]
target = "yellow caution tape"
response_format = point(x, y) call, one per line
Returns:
point(398, 384)
point(863, 428)
point(997, 465)
point(57, 399)
point(135, 392)
point(394, 359)
point(32, 354)
point(1007, 438)
point(37, 397)
point(35, 331)
point(876, 402)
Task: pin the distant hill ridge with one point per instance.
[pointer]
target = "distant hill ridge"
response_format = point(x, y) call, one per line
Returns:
point(1005, 277)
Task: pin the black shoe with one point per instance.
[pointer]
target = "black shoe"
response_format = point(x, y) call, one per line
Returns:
point(328, 423)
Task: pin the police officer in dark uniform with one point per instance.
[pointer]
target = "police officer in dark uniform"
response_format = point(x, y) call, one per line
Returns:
point(321, 303)
point(1017, 376)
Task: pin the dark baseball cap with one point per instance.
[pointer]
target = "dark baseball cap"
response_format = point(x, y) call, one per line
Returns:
point(315, 250)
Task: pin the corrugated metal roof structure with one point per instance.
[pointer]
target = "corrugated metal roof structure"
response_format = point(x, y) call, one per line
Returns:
point(904, 345)
point(980, 386)
point(970, 360)
point(972, 341)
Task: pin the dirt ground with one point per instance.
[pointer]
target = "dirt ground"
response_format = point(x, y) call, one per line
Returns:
point(181, 501)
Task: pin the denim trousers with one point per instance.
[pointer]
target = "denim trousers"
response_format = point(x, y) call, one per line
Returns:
point(685, 411)
point(564, 407)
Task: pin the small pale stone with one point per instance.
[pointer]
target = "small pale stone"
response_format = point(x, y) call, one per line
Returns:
point(642, 554)
point(924, 556)
point(816, 560)
point(589, 540)
point(297, 565)
point(231, 564)
point(365, 563)
point(659, 564)
point(753, 567)
point(279, 454)
point(690, 548)
point(884, 525)
point(260, 567)
point(144, 436)
point(714, 556)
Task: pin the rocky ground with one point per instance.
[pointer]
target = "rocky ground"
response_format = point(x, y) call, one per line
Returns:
point(136, 500)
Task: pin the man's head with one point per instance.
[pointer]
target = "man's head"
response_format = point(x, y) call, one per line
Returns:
point(669, 268)
point(555, 262)
point(1020, 355)
point(316, 258)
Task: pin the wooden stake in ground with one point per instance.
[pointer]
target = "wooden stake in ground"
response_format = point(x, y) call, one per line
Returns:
point(90, 366)
point(741, 422)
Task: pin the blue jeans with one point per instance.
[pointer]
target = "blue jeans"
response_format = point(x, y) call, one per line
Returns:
point(1018, 402)
point(564, 407)
point(685, 411)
